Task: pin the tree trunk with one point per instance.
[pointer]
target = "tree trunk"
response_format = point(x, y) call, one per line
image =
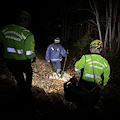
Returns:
point(110, 18)
point(97, 20)
point(106, 33)
point(106, 38)
point(118, 47)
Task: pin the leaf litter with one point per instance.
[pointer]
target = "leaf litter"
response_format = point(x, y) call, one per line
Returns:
point(51, 90)
point(41, 72)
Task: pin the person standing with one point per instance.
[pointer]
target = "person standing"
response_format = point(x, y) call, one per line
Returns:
point(94, 69)
point(19, 50)
point(54, 54)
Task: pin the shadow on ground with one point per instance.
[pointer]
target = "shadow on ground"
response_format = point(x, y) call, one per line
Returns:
point(52, 106)
point(43, 106)
point(40, 106)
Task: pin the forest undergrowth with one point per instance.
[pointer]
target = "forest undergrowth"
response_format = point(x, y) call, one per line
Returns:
point(48, 94)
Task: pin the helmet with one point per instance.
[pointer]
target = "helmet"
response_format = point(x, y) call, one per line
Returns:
point(23, 15)
point(96, 44)
point(57, 39)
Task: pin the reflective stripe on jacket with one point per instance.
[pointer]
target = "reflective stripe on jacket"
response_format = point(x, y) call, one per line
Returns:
point(101, 68)
point(18, 42)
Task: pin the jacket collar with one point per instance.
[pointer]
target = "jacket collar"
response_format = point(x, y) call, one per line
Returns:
point(96, 53)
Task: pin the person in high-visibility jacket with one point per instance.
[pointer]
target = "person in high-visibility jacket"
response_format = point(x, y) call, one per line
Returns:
point(19, 47)
point(95, 68)
point(101, 65)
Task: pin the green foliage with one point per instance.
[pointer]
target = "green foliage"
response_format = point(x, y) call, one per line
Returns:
point(81, 46)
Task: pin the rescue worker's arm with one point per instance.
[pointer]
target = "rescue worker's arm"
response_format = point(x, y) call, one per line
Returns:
point(47, 56)
point(78, 66)
point(29, 47)
point(63, 52)
point(106, 74)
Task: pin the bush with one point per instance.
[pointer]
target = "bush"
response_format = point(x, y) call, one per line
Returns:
point(81, 46)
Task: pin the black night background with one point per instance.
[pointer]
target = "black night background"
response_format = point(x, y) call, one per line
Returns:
point(77, 23)
point(47, 16)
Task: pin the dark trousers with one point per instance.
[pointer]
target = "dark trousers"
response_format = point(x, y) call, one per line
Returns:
point(56, 64)
point(85, 94)
point(18, 69)
point(92, 92)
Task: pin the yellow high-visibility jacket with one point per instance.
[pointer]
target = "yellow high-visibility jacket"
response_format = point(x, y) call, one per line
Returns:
point(18, 42)
point(101, 68)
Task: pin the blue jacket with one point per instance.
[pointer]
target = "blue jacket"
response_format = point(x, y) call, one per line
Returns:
point(55, 52)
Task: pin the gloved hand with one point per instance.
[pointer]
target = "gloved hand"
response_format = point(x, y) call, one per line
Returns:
point(67, 52)
point(33, 60)
point(77, 76)
point(48, 60)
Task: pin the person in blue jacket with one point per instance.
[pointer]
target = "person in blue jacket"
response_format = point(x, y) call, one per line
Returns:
point(54, 54)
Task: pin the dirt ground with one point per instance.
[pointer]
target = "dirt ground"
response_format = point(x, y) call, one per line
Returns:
point(47, 100)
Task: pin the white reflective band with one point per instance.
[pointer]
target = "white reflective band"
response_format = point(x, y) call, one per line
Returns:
point(29, 52)
point(91, 76)
point(105, 65)
point(97, 63)
point(13, 32)
point(54, 59)
point(11, 50)
point(20, 51)
point(14, 51)
point(52, 48)
point(97, 67)
point(77, 69)
point(12, 37)
point(23, 36)
point(88, 60)
point(57, 49)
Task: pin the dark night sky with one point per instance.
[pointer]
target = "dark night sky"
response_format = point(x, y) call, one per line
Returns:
point(44, 13)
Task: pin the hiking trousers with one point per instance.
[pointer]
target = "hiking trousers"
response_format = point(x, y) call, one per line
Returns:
point(57, 65)
point(22, 71)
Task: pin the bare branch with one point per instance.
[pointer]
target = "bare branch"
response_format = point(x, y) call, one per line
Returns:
point(83, 10)
point(92, 7)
